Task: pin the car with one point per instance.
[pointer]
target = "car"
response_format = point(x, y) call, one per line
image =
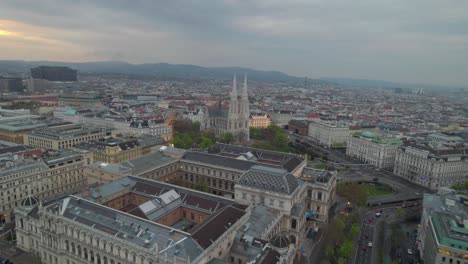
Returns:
point(410, 251)
point(370, 244)
point(403, 205)
point(364, 247)
point(378, 214)
point(369, 220)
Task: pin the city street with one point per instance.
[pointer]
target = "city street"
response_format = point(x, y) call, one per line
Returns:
point(17, 256)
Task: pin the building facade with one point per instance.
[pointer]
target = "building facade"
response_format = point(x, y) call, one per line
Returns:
point(65, 136)
point(14, 128)
point(321, 192)
point(234, 120)
point(36, 85)
point(372, 149)
point(259, 120)
point(116, 150)
point(54, 73)
point(133, 127)
point(329, 134)
point(132, 220)
point(11, 85)
point(431, 166)
point(55, 174)
point(442, 234)
point(299, 127)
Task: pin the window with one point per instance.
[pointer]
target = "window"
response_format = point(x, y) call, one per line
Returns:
point(319, 195)
point(281, 204)
point(272, 201)
point(244, 196)
point(293, 224)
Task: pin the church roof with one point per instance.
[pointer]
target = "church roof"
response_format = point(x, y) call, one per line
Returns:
point(218, 112)
point(270, 179)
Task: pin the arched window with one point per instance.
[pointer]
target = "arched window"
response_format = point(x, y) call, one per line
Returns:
point(293, 223)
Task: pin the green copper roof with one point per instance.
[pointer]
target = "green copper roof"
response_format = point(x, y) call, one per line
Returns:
point(368, 134)
point(376, 139)
point(70, 112)
point(446, 231)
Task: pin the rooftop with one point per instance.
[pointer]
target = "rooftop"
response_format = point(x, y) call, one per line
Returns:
point(287, 161)
point(449, 216)
point(270, 179)
point(21, 123)
point(164, 198)
point(377, 139)
point(147, 162)
point(67, 131)
point(218, 160)
point(139, 232)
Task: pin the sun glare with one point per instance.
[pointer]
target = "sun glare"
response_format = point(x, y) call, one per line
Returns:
point(6, 33)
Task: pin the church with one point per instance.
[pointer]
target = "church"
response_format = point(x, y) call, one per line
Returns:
point(235, 119)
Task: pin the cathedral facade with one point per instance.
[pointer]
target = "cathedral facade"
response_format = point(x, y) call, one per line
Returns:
point(235, 119)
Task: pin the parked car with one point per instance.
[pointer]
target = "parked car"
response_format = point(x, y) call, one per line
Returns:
point(410, 251)
point(370, 244)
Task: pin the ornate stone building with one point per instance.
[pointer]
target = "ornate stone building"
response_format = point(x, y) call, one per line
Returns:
point(53, 175)
point(234, 120)
point(140, 221)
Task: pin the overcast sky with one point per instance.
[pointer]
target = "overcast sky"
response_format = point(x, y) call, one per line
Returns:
point(418, 41)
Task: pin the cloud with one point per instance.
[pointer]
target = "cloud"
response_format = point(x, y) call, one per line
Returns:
point(362, 39)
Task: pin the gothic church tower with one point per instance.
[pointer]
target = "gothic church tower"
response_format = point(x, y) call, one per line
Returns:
point(239, 112)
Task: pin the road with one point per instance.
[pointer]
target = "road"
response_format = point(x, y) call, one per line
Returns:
point(404, 190)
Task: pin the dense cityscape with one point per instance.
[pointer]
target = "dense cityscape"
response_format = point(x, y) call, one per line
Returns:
point(125, 170)
point(233, 132)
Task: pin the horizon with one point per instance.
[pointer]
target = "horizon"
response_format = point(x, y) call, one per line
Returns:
point(431, 85)
point(393, 41)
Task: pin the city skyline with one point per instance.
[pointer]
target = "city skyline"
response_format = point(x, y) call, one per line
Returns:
point(417, 42)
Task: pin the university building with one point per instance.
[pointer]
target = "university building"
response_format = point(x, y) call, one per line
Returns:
point(135, 220)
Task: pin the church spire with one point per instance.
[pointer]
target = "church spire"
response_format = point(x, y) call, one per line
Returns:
point(234, 88)
point(244, 91)
point(233, 104)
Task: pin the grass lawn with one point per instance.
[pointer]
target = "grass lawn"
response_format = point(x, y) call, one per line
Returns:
point(320, 166)
point(374, 190)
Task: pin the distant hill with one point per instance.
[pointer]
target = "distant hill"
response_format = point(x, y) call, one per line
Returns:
point(158, 70)
point(386, 84)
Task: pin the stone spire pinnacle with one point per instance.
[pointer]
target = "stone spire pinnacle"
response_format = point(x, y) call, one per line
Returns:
point(244, 91)
point(234, 89)
point(233, 104)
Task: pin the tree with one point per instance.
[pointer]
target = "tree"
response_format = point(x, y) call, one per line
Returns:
point(346, 249)
point(227, 137)
point(330, 251)
point(205, 142)
point(354, 230)
point(196, 126)
point(341, 261)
